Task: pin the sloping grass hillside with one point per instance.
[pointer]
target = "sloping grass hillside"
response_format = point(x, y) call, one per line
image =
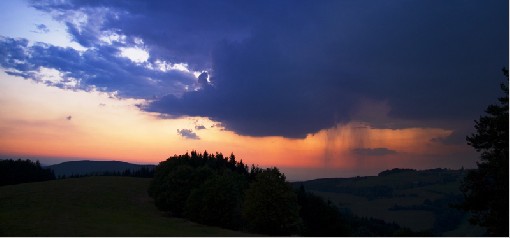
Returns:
point(90, 206)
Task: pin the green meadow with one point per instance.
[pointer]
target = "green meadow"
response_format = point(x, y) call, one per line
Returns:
point(91, 206)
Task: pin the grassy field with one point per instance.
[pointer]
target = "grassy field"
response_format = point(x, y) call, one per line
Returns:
point(90, 206)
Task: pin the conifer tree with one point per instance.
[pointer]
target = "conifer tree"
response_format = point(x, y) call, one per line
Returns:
point(486, 188)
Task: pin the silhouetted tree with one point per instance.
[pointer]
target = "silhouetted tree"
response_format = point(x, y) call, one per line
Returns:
point(143, 172)
point(486, 188)
point(270, 205)
point(23, 171)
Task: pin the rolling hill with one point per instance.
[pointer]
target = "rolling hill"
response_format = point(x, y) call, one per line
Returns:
point(84, 167)
point(90, 206)
point(419, 200)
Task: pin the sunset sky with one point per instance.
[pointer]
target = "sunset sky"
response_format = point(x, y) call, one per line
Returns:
point(317, 88)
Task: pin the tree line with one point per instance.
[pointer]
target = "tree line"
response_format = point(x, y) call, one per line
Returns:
point(26, 171)
point(23, 171)
point(215, 190)
point(142, 172)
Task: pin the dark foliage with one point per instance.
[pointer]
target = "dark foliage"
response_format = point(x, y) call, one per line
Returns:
point(486, 188)
point(23, 171)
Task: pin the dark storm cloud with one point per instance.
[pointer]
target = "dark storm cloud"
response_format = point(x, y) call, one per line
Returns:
point(290, 68)
point(373, 151)
point(310, 65)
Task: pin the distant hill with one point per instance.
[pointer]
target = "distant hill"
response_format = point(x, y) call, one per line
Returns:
point(419, 200)
point(84, 167)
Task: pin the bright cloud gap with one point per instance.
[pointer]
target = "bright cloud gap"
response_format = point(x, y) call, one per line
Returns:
point(135, 54)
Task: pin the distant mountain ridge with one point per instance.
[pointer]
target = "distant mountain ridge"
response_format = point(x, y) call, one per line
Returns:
point(84, 167)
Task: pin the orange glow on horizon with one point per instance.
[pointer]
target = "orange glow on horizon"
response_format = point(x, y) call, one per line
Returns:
point(103, 128)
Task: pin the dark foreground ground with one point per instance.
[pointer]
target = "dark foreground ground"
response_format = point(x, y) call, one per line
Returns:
point(90, 206)
point(120, 206)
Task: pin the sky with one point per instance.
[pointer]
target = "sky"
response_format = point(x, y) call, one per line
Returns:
point(327, 88)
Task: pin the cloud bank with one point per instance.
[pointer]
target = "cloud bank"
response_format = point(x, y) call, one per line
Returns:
point(286, 68)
